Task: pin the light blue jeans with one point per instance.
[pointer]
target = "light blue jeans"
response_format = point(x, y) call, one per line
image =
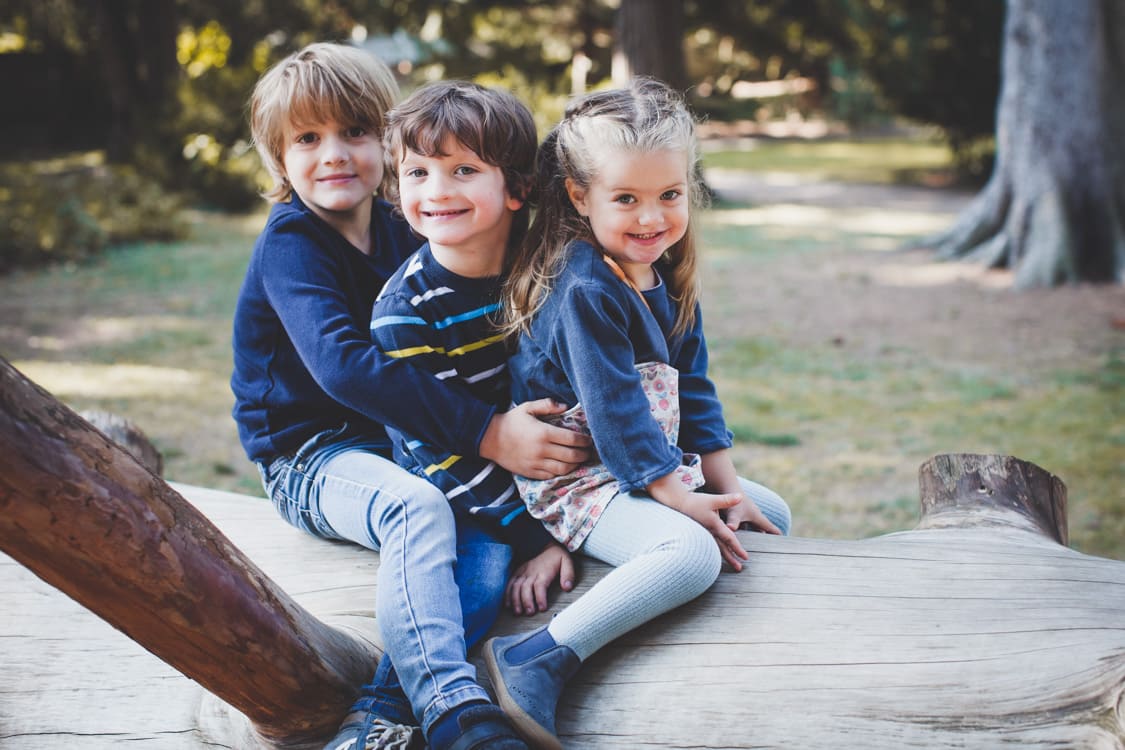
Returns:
point(437, 585)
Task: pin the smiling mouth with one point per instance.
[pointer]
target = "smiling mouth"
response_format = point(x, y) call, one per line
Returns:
point(444, 214)
point(646, 236)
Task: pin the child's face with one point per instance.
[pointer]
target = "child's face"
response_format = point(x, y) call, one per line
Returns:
point(334, 168)
point(637, 205)
point(458, 202)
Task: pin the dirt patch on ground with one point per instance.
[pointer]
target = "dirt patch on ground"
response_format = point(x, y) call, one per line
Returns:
point(926, 356)
point(904, 297)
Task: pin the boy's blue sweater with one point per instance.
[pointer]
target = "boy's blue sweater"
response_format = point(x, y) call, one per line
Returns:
point(303, 357)
point(445, 324)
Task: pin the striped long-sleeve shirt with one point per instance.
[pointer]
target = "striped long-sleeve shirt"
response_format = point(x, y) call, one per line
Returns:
point(443, 324)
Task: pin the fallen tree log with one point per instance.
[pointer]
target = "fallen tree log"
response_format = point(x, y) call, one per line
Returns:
point(88, 518)
point(975, 630)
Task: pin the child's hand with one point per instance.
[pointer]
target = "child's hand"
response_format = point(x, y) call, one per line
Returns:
point(704, 508)
point(523, 444)
point(527, 589)
point(747, 514)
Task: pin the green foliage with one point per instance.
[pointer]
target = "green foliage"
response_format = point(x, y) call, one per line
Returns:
point(173, 76)
point(71, 209)
point(890, 161)
point(937, 63)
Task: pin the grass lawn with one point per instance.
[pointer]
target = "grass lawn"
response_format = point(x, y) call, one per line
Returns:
point(842, 362)
point(884, 160)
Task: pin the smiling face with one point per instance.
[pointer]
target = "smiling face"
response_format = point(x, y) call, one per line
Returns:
point(461, 204)
point(638, 207)
point(335, 169)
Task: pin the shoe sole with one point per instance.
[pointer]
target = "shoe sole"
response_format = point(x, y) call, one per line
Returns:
point(528, 728)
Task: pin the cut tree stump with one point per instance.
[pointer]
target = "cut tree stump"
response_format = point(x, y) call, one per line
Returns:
point(978, 629)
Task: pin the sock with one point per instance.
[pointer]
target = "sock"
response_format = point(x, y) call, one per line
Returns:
point(447, 729)
point(539, 641)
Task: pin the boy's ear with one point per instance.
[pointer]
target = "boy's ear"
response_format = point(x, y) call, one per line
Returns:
point(577, 197)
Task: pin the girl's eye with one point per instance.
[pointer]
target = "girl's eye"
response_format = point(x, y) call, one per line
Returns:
point(626, 199)
point(415, 172)
point(306, 138)
point(355, 131)
point(670, 195)
point(464, 170)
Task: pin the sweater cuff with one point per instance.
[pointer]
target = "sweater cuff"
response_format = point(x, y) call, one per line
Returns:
point(476, 424)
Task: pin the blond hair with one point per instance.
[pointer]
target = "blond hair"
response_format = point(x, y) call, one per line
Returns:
point(644, 117)
point(322, 82)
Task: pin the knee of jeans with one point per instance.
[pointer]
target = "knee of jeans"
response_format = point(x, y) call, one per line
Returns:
point(424, 504)
point(482, 572)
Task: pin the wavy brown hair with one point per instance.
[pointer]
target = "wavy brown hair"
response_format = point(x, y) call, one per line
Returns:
point(646, 116)
point(490, 122)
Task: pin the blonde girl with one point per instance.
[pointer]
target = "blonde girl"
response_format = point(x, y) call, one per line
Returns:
point(603, 303)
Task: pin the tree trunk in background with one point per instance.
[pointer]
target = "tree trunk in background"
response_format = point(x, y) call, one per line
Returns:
point(650, 42)
point(1054, 208)
point(136, 46)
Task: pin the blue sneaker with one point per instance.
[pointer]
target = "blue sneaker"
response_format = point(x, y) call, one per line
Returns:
point(528, 687)
point(476, 727)
point(364, 730)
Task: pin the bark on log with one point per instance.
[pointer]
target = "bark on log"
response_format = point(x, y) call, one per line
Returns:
point(971, 490)
point(128, 436)
point(87, 518)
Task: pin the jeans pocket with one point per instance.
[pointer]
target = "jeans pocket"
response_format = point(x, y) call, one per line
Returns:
point(292, 482)
point(282, 483)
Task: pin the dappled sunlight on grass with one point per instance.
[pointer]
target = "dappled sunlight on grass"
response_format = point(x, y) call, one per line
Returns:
point(865, 421)
point(934, 274)
point(105, 331)
point(883, 222)
point(882, 161)
point(77, 381)
point(207, 225)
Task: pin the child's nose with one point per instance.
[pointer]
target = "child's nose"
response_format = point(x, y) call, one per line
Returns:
point(650, 215)
point(439, 186)
point(333, 150)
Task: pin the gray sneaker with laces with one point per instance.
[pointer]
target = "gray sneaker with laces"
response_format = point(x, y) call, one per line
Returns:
point(363, 730)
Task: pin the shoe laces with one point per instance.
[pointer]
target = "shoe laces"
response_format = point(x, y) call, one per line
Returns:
point(383, 735)
point(377, 733)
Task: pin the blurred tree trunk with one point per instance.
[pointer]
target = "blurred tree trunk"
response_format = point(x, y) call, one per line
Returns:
point(1054, 208)
point(650, 42)
point(136, 47)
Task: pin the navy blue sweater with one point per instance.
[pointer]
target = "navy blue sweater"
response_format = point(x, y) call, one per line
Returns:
point(444, 324)
point(303, 357)
point(584, 345)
